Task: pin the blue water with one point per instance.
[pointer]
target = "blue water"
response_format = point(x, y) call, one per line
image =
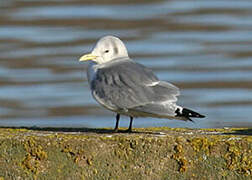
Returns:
point(203, 47)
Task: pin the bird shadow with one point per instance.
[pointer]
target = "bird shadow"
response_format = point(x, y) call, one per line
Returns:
point(247, 132)
point(80, 130)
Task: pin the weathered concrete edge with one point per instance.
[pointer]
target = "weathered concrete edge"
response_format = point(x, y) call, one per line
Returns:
point(185, 150)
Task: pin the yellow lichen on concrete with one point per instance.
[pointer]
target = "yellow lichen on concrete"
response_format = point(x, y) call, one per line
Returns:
point(203, 144)
point(154, 153)
point(180, 158)
point(35, 155)
point(238, 157)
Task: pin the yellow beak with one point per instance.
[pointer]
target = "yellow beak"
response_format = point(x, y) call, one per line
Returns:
point(87, 57)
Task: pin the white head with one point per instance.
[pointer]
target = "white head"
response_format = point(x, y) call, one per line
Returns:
point(106, 49)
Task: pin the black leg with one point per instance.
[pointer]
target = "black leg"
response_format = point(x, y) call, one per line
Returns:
point(130, 126)
point(117, 122)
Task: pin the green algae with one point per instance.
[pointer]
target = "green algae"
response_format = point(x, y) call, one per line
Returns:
point(154, 153)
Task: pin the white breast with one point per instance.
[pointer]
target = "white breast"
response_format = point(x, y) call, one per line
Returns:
point(91, 73)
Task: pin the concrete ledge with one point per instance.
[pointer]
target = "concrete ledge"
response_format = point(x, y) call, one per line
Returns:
point(152, 153)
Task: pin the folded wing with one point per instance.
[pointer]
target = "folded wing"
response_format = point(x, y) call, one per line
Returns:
point(126, 85)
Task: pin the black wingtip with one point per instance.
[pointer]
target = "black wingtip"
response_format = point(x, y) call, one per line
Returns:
point(187, 113)
point(189, 119)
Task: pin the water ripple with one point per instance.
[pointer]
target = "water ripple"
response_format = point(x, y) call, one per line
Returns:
point(204, 47)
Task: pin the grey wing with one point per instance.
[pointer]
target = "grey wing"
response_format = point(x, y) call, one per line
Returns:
point(126, 85)
point(165, 103)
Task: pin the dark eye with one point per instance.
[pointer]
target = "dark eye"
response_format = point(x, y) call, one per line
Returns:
point(106, 51)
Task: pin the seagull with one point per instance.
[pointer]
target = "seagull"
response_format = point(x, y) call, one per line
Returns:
point(128, 88)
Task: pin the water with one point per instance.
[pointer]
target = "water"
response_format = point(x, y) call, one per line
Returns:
point(203, 47)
